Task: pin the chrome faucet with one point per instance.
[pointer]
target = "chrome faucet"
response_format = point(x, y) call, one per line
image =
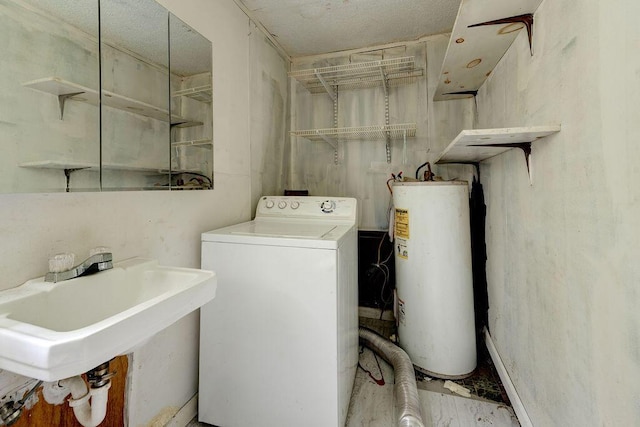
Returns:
point(93, 264)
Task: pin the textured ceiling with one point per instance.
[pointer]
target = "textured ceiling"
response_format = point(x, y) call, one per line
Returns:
point(309, 27)
point(301, 27)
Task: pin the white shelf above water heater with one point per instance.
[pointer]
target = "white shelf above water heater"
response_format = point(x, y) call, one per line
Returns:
point(476, 145)
point(481, 35)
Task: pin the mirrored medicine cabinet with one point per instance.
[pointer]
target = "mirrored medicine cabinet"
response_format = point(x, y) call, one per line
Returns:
point(103, 95)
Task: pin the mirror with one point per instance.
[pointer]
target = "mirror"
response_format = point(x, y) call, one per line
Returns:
point(46, 58)
point(124, 108)
point(134, 61)
point(191, 107)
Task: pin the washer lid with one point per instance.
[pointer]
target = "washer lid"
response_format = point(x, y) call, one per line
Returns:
point(303, 234)
point(280, 229)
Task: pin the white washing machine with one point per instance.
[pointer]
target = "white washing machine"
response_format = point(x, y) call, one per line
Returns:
point(279, 343)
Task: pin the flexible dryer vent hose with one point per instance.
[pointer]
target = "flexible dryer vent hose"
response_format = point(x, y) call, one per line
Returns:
point(405, 390)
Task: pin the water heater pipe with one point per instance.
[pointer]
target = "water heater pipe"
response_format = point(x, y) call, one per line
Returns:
point(87, 414)
point(405, 390)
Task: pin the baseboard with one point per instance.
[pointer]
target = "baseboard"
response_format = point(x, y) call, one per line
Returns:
point(185, 414)
point(516, 403)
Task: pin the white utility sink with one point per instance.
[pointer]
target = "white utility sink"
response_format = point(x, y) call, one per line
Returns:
point(51, 331)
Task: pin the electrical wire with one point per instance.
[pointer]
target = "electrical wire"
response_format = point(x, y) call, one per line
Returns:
point(386, 272)
point(389, 187)
point(209, 183)
point(420, 167)
point(380, 264)
point(380, 381)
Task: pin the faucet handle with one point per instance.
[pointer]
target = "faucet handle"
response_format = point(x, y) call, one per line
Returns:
point(99, 250)
point(61, 262)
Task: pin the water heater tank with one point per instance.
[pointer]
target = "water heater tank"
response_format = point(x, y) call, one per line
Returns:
point(434, 284)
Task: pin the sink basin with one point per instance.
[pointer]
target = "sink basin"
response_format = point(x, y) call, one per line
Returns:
point(51, 331)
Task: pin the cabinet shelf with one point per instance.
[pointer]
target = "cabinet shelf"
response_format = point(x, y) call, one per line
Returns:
point(64, 164)
point(192, 143)
point(473, 146)
point(379, 132)
point(184, 123)
point(66, 90)
point(60, 164)
point(481, 35)
point(199, 93)
point(393, 72)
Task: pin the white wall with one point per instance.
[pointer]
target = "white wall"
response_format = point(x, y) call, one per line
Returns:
point(240, 129)
point(563, 254)
point(162, 225)
point(268, 125)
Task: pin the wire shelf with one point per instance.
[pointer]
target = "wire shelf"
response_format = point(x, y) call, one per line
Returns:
point(357, 75)
point(199, 93)
point(194, 143)
point(379, 132)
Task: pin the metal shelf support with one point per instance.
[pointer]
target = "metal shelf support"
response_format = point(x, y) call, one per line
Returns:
point(325, 85)
point(62, 99)
point(332, 143)
point(328, 140)
point(385, 86)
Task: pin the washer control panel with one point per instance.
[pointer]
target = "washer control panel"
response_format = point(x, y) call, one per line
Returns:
point(328, 206)
point(309, 207)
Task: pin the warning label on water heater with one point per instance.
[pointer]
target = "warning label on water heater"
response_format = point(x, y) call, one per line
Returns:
point(401, 222)
point(402, 248)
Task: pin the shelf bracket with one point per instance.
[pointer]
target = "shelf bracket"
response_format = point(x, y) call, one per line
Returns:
point(185, 124)
point(384, 82)
point(473, 93)
point(68, 172)
point(526, 20)
point(526, 150)
point(62, 99)
point(404, 147)
point(388, 147)
point(332, 143)
point(325, 85)
point(386, 115)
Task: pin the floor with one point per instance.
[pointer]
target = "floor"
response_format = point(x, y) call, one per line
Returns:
point(372, 399)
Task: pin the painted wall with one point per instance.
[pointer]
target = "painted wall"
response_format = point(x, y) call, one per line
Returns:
point(563, 254)
point(268, 124)
point(162, 225)
point(362, 169)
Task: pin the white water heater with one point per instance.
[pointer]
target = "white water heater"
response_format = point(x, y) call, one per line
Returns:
point(434, 284)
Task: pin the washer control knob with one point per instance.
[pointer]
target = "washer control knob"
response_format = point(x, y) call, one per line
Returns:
point(295, 205)
point(282, 204)
point(269, 204)
point(328, 206)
